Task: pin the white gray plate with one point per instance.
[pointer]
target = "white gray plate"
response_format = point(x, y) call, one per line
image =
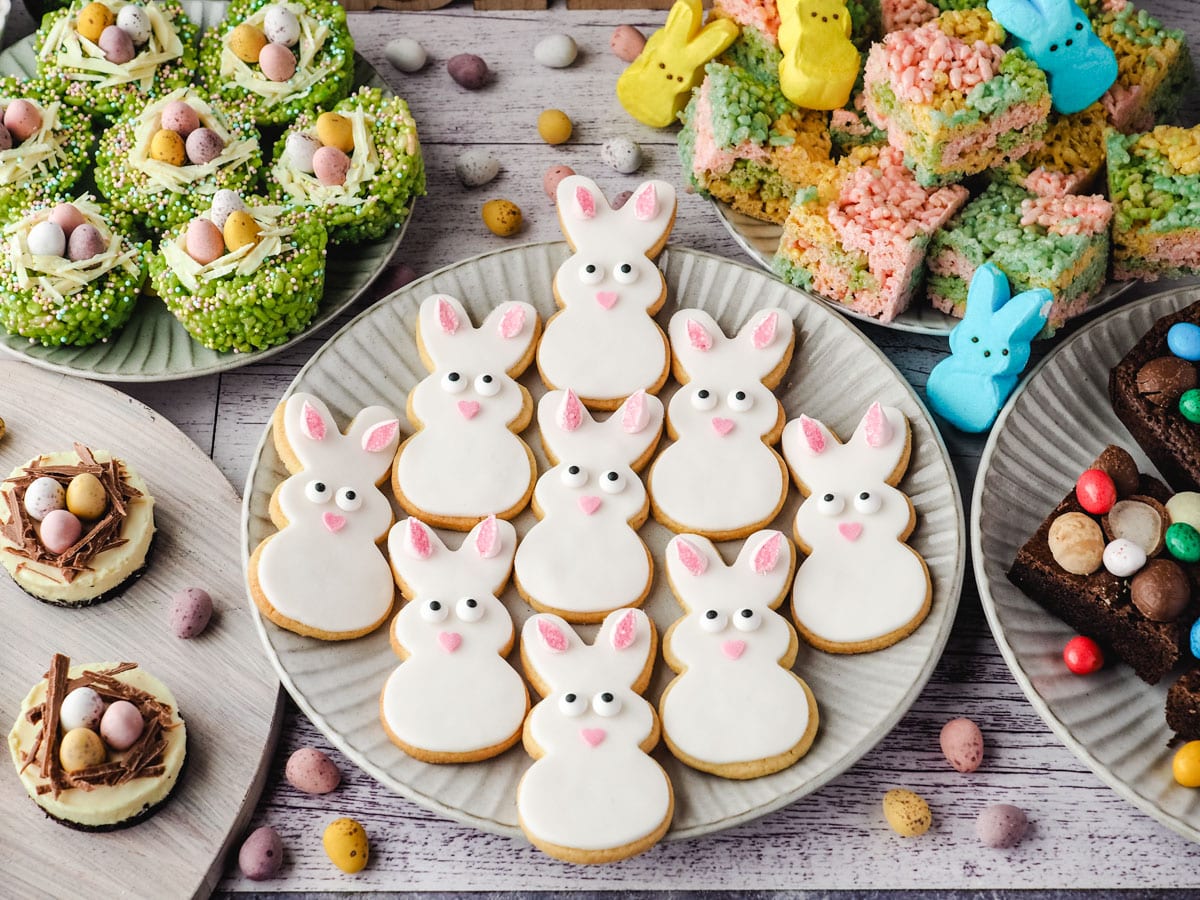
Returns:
point(374, 359)
point(1050, 431)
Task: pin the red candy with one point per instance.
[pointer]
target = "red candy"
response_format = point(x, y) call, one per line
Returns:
point(1083, 656)
point(1096, 492)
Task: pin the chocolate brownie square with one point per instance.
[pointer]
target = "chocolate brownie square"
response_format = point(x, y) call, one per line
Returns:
point(1183, 706)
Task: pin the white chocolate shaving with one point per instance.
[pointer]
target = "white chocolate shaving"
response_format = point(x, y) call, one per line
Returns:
point(272, 93)
point(243, 261)
point(364, 163)
point(19, 163)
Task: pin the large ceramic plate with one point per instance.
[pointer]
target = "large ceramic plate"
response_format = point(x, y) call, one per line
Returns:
point(1048, 433)
point(153, 346)
point(374, 359)
point(761, 239)
point(227, 693)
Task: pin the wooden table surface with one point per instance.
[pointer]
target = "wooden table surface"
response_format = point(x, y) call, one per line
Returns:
point(1083, 835)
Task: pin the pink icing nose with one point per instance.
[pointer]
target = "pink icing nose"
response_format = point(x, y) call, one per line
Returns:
point(850, 530)
point(334, 522)
point(607, 299)
point(449, 640)
point(468, 409)
point(593, 737)
point(589, 504)
point(733, 649)
point(722, 426)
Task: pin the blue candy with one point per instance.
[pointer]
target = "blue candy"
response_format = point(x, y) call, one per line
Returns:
point(988, 351)
point(1195, 641)
point(1057, 35)
point(1183, 339)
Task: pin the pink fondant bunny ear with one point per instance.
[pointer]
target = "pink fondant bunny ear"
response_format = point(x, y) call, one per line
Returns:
point(447, 316)
point(764, 331)
point(876, 427)
point(417, 540)
point(625, 633)
point(513, 321)
point(585, 203)
point(766, 557)
point(690, 555)
point(699, 336)
point(487, 539)
point(312, 422)
point(570, 412)
point(635, 416)
point(814, 435)
point(645, 202)
point(553, 637)
point(379, 438)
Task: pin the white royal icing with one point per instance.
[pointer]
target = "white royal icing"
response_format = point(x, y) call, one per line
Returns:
point(733, 702)
point(719, 476)
point(584, 556)
point(859, 582)
point(602, 343)
point(454, 693)
point(324, 569)
point(464, 462)
point(592, 788)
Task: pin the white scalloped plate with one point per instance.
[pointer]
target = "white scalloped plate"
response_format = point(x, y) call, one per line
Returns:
point(1050, 430)
point(374, 359)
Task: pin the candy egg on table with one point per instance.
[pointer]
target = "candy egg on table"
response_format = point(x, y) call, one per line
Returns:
point(133, 20)
point(962, 744)
point(298, 150)
point(346, 845)
point(622, 154)
point(476, 167)
point(406, 54)
point(44, 495)
point(203, 241)
point(556, 51)
point(311, 771)
point(334, 130)
point(179, 116)
point(22, 119)
point(1001, 825)
point(121, 725)
point(277, 62)
point(261, 856)
point(554, 126)
point(203, 146)
point(168, 147)
point(468, 71)
point(67, 217)
point(60, 530)
point(191, 608)
point(553, 176)
point(81, 708)
point(92, 20)
point(621, 199)
point(85, 242)
point(117, 45)
point(46, 239)
point(224, 202)
point(247, 42)
point(240, 229)
point(81, 748)
point(627, 43)
point(502, 217)
point(281, 26)
point(907, 813)
point(86, 496)
point(330, 165)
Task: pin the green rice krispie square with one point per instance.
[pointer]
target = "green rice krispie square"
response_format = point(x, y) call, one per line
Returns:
point(386, 171)
point(77, 71)
point(324, 65)
point(1069, 160)
point(56, 302)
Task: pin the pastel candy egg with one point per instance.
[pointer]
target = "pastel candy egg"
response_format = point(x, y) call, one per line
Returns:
point(116, 44)
point(85, 242)
point(622, 154)
point(1185, 507)
point(261, 856)
point(43, 496)
point(133, 20)
point(1076, 543)
point(81, 708)
point(907, 813)
point(224, 202)
point(46, 239)
point(1183, 339)
point(247, 43)
point(92, 20)
point(627, 43)
point(1186, 764)
point(299, 150)
point(553, 176)
point(556, 51)
point(621, 199)
point(1183, 542)
point(1194, 639)
point(281, 26)
point(311, 771)
point(203, 146)
point(204, 241)
point(60, 530)
point(179, 116)
point(240, 230)
point(476, 167)
point(1123, 557)
point(122, 725)
point(81, 748)
point(6, 139)
point(468, 71)
point(502, 217)
point(1189, 405)
point(1096, 491)
point(191, 608)
point(962, 744)
point(1001, 825)
point(67, 217)
point(334, 130)
point(167, 146)
point(86, 496)
point(406, 54)
point(330, 165)
point(346, 845)
point(277, 62)
point(554, 126)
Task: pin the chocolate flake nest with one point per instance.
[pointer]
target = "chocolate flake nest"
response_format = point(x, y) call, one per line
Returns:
point(105, 534)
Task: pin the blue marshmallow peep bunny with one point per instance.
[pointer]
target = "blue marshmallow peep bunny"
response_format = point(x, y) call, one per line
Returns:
point(988, 351)
point(1057, 35)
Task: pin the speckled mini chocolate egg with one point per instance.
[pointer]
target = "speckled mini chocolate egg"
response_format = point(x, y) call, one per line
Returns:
point(44, 495)
point(81, 708)
point(621, 199)
point(203, 146)
point(335, 130)
point(907, 813)
point(92, 20)
point(311, 771)
point(86, 496)
point(22, 119)
point(179, 116)
point(476, 167)
point(277, 62)
point(117, 45)
point(468, 71)
point(81, 748)
point(962, 744)
point(553, 176)
point(627, 43)
point(502, 217)
point(330, 165)
point(261, 855)
point(133, 20)
point(406, 54)
point(191, 608)
point(281, 26)
point(167, 146)
point(203, 241)
point(223, 203)
point(85, 242)
point(1001, 825)
point(6, 139)
point(246, 42)
point(121, 725)
point(556, 51)
point(240, 229)
point(554, 126)
point(622, 154)
point(67, 217)
point(60, 530)
point(1076, 543)
point(46, 238)
point(346, 845)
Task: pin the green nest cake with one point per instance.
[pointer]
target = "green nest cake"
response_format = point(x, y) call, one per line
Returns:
point(56, 302)
point(76, 69)
point(324, 62)
point(386, 170)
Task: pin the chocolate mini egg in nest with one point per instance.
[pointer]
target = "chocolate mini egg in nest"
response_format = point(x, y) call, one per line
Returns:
point(203, 146)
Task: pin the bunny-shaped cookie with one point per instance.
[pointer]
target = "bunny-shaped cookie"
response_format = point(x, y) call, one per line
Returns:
point(819, 64)
point(735, 709)
point(721, 478)
point(989, 349)
point(861, 587)
point(584, 558)
point(1058, 36)
point(593, 795)
point(465, 462)
point(602, 343)
point(656, 86)
point(454, 698)
point(322, 574)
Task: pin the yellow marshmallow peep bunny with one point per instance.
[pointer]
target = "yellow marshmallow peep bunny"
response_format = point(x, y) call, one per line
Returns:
point(657, 84)
point(819, 64)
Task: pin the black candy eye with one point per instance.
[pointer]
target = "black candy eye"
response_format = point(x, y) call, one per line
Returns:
point(319, 487)
point(590, 269)
point(612, 476)
point(434, 605)
point(1004, 352)
point(486, 379)
point(987, 353)
point(702, 394)
point(626, 268)
point(975, 340)
point(453, 376)
point(606, 697)
point(574, 470)
point(1053, 48)
point(746, 613)
point(828, 498)
point(1070, 41)
point(1079, 26)
point(865, 495)
point(570, 698)
point(711, 614)
point(740, 395)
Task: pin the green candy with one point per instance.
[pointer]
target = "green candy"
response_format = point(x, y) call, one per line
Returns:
point(1183, 541)
point(1189, 405)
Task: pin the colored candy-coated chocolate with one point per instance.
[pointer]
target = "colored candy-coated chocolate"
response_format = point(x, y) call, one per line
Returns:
point(311, 771)
point(86, 496)
point(179, 116)
point(46, 239)
point(247, 43)
point(299, 149)
point(191, 611)
point(1185, 507)
point(203, 146)
point(240, 229)
point(1183, 542)
point(1194, 640)
point(1189, 405)
point(468, 71)
point(122, 725)
point(60, 530)
point(6, 139)
point(117, 45)
point(261, 856)
point(554, 126)
point(1123, 557)
point(134, 21)
point(331, 165)
point(335, 130)
point(476, 167)
point(203, 241)
point(1096, 492)
point(346, 845)
point(1083, 655)
point(406, 54)
point(622, 154)
point(42, 496)
point(277, 62)
point(907, 813)
point(962, 744)
point(168, 147)
point(553, 176)
point(626, 43)
point(281, 26)
point(502, 217)
point(85, 242)
point(224, 202)
point(820, 63)
point(81, 748)
point(22, 119)
point(556, 51)
point(1186, 764)
point(1076, 543)
point(1183, 339)
point(81, 708)
point(1001, 825)
point(92, 20)
point(67, 217)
